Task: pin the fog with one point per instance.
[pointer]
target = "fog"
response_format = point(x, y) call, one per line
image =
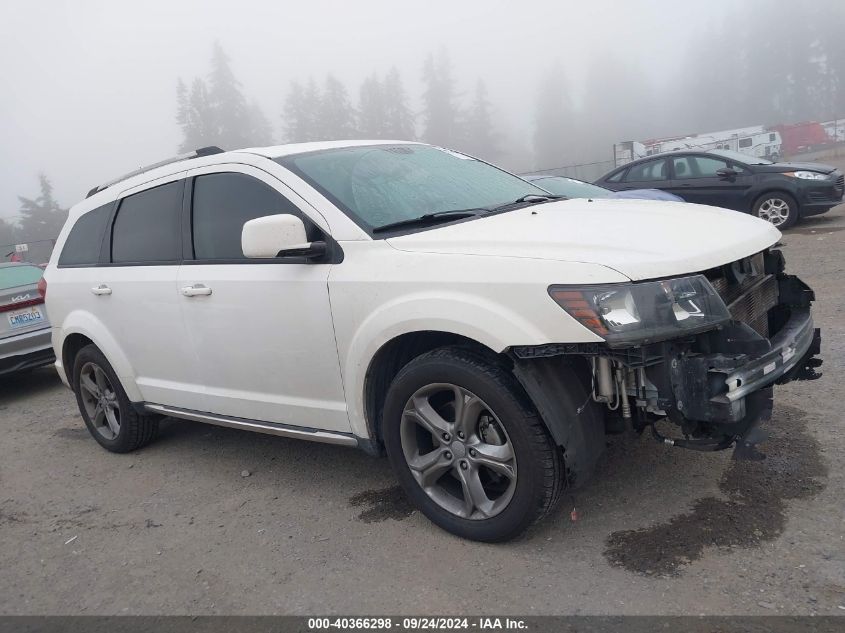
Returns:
point(89, 87)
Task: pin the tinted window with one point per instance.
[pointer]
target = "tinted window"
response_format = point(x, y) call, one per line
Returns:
point(83, 244)
point(745, 142)
point(647, 172)
point(146, 228)
point(222, 204)
point(617, 176)
point(697, 167)
point(14, 276)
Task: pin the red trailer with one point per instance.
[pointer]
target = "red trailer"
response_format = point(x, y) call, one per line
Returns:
point(802, 137)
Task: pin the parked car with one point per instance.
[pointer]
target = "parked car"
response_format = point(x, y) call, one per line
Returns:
point(574, 188)
point(780, 193)
point(24, 329)
point(404, 298)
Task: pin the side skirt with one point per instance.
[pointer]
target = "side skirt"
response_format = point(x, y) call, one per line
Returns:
point(285, 430)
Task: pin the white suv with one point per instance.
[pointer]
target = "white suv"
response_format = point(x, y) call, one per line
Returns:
point(405, 298)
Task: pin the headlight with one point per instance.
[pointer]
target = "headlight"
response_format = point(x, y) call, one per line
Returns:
point(644, 312)
point(806, 175)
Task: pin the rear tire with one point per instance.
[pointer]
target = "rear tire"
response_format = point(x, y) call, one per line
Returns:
point(109, 415)
point(468, 446)
point(779, 209)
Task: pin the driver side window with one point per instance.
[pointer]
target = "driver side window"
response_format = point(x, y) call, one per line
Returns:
point(222, 204)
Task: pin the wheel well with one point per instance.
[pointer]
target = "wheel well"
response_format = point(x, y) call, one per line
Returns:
point(393, 356)
point(781, 192)
point(73, 343)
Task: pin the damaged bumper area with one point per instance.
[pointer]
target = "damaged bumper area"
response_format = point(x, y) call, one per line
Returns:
point(716, 385)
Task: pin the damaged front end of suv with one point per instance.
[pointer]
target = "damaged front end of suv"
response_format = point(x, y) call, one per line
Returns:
point(702, 351)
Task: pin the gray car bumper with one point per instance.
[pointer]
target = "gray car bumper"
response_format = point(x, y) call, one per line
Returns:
point(26, 351)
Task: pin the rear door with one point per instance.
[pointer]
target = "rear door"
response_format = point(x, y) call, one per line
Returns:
point(696, 179)
point(262, 329)
point(136, 295)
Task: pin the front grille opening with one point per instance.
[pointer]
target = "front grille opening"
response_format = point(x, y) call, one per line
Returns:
point(748, 291)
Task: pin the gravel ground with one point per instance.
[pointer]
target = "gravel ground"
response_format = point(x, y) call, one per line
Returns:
point(216, 521)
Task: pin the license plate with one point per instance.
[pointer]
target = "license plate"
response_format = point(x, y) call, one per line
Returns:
point(25, 318)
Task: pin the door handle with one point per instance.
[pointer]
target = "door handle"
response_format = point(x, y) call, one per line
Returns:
point(196, 290)
point(102, 289)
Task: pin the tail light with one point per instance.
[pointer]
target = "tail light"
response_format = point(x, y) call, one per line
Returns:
point(42, 288)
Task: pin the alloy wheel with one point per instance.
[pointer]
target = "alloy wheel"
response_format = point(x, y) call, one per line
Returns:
point(774, 210)
point(100, 400)
point(458, 451)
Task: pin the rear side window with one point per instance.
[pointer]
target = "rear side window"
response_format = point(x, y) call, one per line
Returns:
point(617, 176)
point(646, 172)
point(222, 203)
point(82, 247)
point(14, 276)
point(146, 228)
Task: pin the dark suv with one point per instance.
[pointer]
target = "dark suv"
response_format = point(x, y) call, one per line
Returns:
point(778, 192)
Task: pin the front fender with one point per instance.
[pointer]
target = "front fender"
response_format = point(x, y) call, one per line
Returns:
point(487, 322)
point(86, 324)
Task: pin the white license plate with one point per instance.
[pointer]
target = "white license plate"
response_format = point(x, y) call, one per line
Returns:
point(25, 318)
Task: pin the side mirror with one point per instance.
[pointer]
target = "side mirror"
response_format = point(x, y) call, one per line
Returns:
point(726, 173)
point(280, 235)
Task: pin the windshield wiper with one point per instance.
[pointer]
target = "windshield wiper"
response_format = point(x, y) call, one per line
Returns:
point(428, 218)
point(529, 198)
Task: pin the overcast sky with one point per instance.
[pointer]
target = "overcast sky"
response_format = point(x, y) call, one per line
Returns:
point(88, 87)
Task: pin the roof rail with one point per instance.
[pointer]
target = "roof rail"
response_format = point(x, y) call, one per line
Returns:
point(202, 151)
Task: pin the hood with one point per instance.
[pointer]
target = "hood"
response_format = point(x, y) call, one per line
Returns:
point(783, 167)
point(642, 239)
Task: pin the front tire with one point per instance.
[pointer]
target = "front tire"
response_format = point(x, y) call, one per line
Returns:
point(109, 415)
point(469, 448)
point(780, 209)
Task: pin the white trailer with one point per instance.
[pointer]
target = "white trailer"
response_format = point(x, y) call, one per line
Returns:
point(754, 141)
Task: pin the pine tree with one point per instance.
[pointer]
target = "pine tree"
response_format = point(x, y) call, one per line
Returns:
point(552, 120)
point(216, 112)
point(260, 130)
point(195, 116)
point(335, 118)
point(227, 101)
point(301, 112)
point(8, 238)
point(399, 121)
point(440, 111)
point(41, 218)
point(477, 135)
point(372, 110)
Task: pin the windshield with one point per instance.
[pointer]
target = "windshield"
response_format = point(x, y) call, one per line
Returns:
point(740, 157)
point(382, 184)
point(571, 188)
point(14, 276)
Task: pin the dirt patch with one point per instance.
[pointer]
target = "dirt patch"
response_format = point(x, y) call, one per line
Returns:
point(754, 509)
point(72, 433)
point(387, 503)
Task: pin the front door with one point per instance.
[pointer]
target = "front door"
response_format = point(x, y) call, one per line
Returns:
point(696, 179)
point(261, 329)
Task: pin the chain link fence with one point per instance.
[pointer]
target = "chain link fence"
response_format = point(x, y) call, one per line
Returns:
point(37, 252)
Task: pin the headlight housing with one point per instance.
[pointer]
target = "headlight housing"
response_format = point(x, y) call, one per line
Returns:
point(637, 313)
point(806, 175)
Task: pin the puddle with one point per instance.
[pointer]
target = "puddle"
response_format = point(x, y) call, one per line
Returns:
point(753, 510)
point(388, 503)
point(73, 433)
